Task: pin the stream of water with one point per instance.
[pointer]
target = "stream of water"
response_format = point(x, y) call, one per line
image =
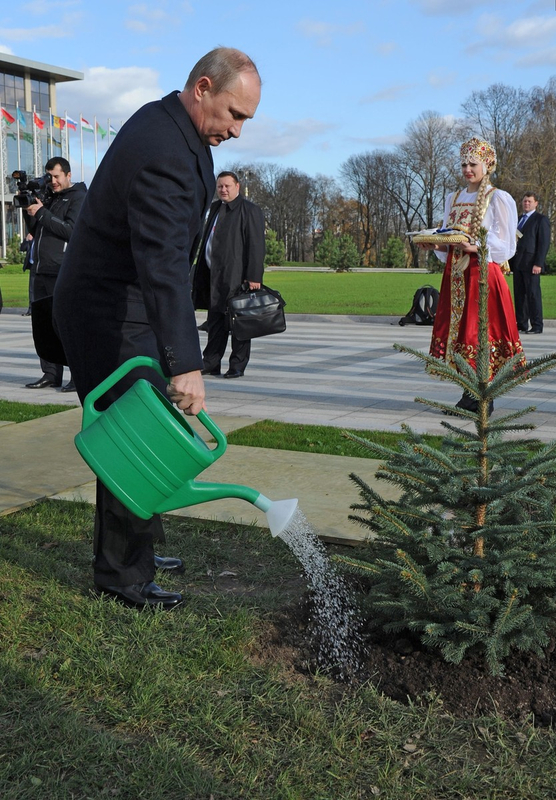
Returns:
point(335, 625)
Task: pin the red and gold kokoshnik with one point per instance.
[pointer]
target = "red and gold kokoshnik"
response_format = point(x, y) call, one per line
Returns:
point(479, 150)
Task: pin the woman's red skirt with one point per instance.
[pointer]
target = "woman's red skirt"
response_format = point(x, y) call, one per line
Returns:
point(456, 325)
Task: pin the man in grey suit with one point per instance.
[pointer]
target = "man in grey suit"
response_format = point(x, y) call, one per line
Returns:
point(528, 263)
point(124, 288)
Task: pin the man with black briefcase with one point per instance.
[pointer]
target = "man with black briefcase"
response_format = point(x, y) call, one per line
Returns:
point(232, 253)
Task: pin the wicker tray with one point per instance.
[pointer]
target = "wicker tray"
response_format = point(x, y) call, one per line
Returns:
point(440, 238)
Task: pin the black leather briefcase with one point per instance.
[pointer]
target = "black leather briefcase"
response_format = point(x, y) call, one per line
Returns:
point(256, 312)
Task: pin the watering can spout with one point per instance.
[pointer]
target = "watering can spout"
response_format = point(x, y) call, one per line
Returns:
point(279, 513)
point(194, 492)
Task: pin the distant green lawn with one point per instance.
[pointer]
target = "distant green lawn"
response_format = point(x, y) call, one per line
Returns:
point(14, 285)
point(372, 293)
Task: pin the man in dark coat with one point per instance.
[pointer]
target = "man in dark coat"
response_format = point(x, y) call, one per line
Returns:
point(232, 252)
point(51, 223)
point(124, 286)
point(529, 263)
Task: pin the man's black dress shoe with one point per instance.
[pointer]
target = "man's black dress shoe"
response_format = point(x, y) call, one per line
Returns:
point(43, 383)
point(168, 564)
point(532, 331)
point(233, 373)
point(69, 387)
point(203, 326)
point(210, 371)
point(139, 595)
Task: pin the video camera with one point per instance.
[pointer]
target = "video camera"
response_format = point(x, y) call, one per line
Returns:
point(31, 190)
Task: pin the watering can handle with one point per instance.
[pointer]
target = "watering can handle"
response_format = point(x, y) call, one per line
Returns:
point(90, 413)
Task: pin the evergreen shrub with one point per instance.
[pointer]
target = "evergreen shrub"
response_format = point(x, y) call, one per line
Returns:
point(466, 558)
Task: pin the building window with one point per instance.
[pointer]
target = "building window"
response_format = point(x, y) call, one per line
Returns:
point(11, 90)
point(40, 95)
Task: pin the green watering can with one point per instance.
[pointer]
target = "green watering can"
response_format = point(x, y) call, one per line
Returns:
point(145, 452)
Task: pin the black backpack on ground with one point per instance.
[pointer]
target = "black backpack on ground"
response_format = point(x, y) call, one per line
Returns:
point(423, 309)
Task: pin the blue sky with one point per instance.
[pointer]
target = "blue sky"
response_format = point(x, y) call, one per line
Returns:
point(340, 78)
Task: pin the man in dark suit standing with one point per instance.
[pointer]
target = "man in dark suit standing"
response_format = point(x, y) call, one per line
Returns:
point(528, 263)
point(124, 288)
point(232, 252)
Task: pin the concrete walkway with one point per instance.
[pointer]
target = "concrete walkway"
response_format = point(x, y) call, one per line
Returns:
point(323, 370)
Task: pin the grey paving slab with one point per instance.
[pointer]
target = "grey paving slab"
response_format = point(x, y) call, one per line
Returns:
point(39, 459)
point(322, 370)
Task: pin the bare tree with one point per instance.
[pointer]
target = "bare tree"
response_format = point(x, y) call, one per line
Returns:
point(426, 164)
point(290, 214)
point(368, 178)
point(537, 151)
point(428, 155)
point(328, 210)
point(501, 114)
point(404, 190)
point(285, 196)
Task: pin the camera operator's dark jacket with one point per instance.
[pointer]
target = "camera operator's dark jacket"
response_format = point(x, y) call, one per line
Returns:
point(52, 227)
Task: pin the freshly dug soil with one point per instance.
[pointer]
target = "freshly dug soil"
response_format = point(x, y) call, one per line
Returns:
point(404, 670)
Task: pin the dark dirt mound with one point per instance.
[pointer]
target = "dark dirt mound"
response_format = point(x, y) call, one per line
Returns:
point(403, 669)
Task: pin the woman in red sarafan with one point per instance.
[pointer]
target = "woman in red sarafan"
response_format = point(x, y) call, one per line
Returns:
point(456, 325)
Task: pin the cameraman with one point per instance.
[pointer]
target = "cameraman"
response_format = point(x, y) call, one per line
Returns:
point(51, 222)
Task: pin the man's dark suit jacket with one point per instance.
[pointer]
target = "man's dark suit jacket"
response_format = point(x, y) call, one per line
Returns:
point(124, 287)
point(238, 251)
point(532, 245)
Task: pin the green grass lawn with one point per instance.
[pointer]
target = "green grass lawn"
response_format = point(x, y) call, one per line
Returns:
point(11, 411)
point(373, 293)
point(315, 438)
point(14, 285)
point(201, 703)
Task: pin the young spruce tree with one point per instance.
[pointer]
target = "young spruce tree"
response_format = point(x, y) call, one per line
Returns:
point(466, 558)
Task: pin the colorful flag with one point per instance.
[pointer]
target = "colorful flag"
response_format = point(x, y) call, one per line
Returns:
point(8, 117)
point(86, 126)
point(71, 123)
point(26, 136)
point(112, 131)
point(38, 121)
point(101, 131)
point(21, 117)
point(58, 122)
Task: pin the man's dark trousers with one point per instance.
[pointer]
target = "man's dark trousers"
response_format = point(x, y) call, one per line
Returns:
point(43, 286)
point(528, 300)
point(217, 341)
point(532, 247)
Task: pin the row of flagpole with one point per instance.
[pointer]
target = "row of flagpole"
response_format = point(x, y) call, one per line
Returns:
point(64, 124)
point(95, 128)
